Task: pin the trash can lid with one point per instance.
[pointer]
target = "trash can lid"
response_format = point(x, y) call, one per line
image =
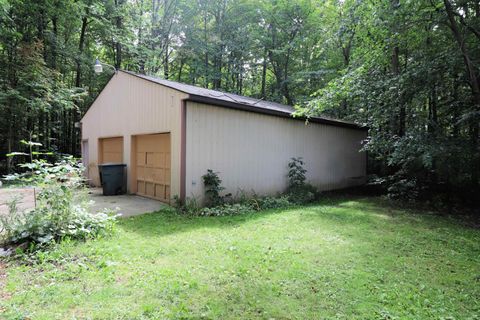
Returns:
point(112, 164)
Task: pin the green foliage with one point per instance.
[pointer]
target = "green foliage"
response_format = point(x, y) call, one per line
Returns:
point(53, 220)
point(303, 194)
point(412, 88)
point(227, 209)
point(213, 188)
point(266, 203)
point(189, 207)
point(298, 191)
point(248, 206)
point(341, 258)
point(408, 71)
point(40, 172)
point(403, 189)
point(60, 211)
point(296, 172)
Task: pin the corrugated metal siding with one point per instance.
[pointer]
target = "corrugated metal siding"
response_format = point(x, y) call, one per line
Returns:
point(251, 151)
point(131, 106)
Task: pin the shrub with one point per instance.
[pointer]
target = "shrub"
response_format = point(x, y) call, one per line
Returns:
point(403, 189)
point(227, 210)
point(188, 207)
point(266, 203)
point(46, 224)
point(298, 191)
point(302, 194)
point(60, 212)
point(296, 172)
point(213, 187)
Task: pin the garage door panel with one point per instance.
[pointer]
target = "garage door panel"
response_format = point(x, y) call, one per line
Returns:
point(141, 158)
point(150, 189)
point(155, 159)
point(167, 176)
point(111, 150)
point(167, 192)
point(141, 187)
point(160, 191)
point(161, 159)
point(153, 166)
point(140, 173)
point(112, 157)
point(147, 173)
point(167, 160)
point(158, 175)
point(151, 158)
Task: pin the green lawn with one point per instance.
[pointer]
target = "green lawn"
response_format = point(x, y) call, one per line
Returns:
point(339, 259)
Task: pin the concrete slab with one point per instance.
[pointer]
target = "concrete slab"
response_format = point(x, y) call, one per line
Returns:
point(25, 198)
point(128, 205)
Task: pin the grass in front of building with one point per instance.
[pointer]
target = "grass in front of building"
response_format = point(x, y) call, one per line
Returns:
point(342, 258)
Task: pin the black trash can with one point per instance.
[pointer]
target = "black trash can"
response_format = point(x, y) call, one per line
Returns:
point(112, 178)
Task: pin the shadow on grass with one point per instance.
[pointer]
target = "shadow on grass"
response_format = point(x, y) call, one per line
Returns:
point(166, 222)
point(337, 209)
point(382, 242)
point(372, 213)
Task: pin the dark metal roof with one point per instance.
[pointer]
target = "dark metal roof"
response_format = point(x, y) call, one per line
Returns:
point(234, 101)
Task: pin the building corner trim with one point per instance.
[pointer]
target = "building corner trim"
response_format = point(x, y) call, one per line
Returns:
point(183, 148)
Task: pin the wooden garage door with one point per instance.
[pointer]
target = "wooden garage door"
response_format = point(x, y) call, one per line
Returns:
point(111, 150)
point(153, 166)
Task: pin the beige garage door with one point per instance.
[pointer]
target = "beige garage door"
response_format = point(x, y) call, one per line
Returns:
point(111, 150)
point(153, 166)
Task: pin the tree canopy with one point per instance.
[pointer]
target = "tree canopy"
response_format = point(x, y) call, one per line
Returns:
point(409, 70)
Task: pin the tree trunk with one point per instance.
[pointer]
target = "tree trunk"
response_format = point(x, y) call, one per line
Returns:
point(396, 72)
point(81, 45)
point(54, 44)
point(206, 49)
point(264, 74)
point(166, 73)
point(180, 69)
point(432, 110)
point(469, 66)
point(474, 85)
point(118, 44)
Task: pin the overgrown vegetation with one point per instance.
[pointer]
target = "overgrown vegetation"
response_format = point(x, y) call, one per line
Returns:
point(216, 204)
point(61, 209)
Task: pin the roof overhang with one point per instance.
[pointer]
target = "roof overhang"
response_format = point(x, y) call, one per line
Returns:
point(244, 107)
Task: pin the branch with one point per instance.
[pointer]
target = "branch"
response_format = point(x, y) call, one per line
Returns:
point(462, 21)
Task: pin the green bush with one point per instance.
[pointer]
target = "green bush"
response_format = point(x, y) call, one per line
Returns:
point(266, 203)
point(227, 210)
point(45, 224)
point(213, 187)
point(61, 208)
point(302, 194)
point(296, 172)
point(188, 207)
point(298, 191)
point(403, 189)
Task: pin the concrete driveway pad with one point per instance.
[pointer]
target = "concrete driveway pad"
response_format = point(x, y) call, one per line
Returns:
point(128, 205)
